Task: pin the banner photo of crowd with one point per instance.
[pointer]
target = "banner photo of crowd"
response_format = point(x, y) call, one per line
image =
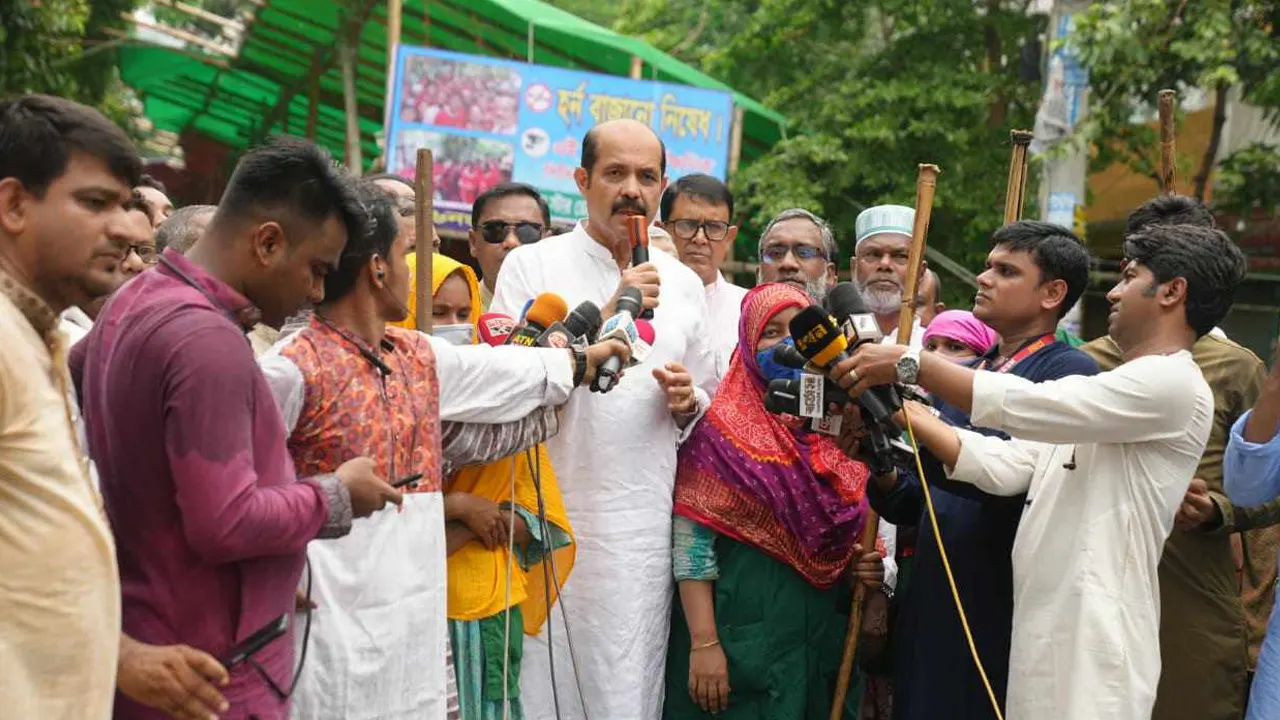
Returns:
point(490, 121)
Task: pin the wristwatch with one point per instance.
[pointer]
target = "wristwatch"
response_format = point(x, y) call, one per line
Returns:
point(579, 350)
point(908, 366)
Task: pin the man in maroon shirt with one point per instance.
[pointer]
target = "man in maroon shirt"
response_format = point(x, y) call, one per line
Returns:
point(211, 523)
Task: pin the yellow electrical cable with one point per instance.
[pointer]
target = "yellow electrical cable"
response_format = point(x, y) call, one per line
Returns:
point(946, 565)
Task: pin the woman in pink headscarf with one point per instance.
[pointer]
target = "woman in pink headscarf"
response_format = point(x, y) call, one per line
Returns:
point(959, 336)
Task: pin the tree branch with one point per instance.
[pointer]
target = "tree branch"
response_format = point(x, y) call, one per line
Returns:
point(1215, 139)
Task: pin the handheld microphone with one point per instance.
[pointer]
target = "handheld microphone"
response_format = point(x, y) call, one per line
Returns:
point(584, 321)
point(639, 236)
point(850, 310)
point(619, 327)
point(495, 328)
point(547, 308)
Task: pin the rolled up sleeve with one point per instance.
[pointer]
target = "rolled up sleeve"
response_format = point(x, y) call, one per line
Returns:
point(1251, 471)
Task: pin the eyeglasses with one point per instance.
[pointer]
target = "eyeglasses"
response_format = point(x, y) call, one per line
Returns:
point(777, 253)
point(495, 232)
point(688, 229)
point(146, 253)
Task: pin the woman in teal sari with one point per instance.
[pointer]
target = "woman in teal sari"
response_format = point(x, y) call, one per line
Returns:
point(767, 515)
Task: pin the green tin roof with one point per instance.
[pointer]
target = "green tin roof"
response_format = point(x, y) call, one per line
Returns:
point(237, 101)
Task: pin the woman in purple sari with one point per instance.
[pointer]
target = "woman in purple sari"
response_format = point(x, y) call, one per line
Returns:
point(767, 515)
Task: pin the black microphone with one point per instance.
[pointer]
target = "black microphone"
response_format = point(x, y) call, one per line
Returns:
point(629, 306)
point(638, 233)
point(584, 321)
point(845, 303)
point(788, 356)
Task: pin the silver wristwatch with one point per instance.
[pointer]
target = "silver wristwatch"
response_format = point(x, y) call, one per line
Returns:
point(908, 366)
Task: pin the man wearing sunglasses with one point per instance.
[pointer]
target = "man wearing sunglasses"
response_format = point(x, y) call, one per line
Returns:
point(697, 212)
point(504, 217)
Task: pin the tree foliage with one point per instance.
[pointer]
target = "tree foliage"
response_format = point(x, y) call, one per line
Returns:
point(61, 47)
point(872, 88)
point(1135, 48)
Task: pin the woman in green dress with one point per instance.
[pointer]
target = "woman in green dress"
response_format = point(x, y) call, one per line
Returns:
point(767, 516)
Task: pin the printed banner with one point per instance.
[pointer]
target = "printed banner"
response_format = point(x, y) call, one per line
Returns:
point(490, 121)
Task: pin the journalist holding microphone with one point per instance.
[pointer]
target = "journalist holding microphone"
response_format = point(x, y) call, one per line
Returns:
point(1105, 462)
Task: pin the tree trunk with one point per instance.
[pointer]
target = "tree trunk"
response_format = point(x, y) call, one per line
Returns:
point(1215, 139)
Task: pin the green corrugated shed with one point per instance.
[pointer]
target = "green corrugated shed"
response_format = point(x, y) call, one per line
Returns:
point(266, 88)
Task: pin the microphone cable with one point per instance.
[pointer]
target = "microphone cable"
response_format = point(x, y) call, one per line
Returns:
point(946, 566)
point(506, 633)
point(549, 568)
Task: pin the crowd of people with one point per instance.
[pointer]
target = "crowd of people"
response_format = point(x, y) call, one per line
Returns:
point(461, 95)
point(205, 413)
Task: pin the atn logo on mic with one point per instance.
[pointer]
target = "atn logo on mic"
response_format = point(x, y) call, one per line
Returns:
point(527, 340)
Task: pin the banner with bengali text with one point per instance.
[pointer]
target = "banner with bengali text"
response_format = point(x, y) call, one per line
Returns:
point(490, 121)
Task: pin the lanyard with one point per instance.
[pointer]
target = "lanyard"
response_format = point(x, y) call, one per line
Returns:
point(1023, 353)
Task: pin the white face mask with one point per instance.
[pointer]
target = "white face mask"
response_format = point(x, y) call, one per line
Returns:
point(460, 334)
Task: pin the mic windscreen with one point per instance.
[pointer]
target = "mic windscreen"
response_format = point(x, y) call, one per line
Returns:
point(584, 321)
point(495, 328)
point(816, 336)
point(637, 232)
point(844, 300)
point(788, 356)
point(644, 329)
point(547, 308)
point(783, 396)
point(630, 300)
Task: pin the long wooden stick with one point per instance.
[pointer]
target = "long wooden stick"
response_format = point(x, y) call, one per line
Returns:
point(1015, 194)
point(1168, 101)
point(926, 183)
point(424, 201)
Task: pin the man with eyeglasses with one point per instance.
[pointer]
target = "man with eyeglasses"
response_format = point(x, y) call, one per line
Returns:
point(798, 247)
point(697, 212)
point(881, 250)
point(503, 218)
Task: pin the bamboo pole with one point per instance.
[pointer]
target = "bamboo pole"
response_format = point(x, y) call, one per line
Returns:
point(735, 142)
point(926, 183)
point(1168, 168)
point(346, 47)
point(637, 67)
point(394, 14)
point(1015, 196)
point(424, 202)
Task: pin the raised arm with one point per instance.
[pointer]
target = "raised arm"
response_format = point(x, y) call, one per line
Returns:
point(477, 443)
point(227, 513)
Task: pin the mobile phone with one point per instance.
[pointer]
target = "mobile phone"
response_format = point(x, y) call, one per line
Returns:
point(407, 480)
point(261, 638)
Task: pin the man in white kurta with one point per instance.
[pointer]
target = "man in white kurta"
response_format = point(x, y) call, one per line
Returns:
point(1105, 461)
point(615, 456)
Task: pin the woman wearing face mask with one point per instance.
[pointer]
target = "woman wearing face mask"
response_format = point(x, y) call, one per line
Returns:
point(959, 336)
point(766, 520)
point(477, 507)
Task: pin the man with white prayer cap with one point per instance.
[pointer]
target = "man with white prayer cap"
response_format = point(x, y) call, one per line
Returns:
point(879, 266)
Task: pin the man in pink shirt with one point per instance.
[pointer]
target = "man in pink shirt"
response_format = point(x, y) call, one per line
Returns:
point(211, 523)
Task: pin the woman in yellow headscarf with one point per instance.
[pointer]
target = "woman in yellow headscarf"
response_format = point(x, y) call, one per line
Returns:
point(484, 579)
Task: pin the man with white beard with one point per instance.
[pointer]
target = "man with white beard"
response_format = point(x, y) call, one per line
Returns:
point(798, 248)
point(881, 251)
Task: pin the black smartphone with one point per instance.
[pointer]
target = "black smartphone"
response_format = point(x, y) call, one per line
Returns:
point(409, 480)
point(244, 650)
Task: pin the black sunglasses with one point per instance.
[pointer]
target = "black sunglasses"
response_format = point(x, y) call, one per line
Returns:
point(495, 232)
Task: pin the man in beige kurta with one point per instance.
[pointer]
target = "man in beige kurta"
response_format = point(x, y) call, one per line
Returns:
point(1203, 630)
point(59, 590)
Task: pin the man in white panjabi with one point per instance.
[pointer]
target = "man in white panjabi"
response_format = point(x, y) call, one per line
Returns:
point(1105, 460)
point(879, 267)
point(616, 454)
point(697, 211)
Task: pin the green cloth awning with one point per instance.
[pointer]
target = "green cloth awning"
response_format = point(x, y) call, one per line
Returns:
point(266, 88)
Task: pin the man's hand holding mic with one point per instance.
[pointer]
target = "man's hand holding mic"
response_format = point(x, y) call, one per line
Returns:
point(643, 278)
point(869, 365)
point(600, 352)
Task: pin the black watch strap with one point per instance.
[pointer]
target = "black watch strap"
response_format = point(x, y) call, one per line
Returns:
point(579, 350)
